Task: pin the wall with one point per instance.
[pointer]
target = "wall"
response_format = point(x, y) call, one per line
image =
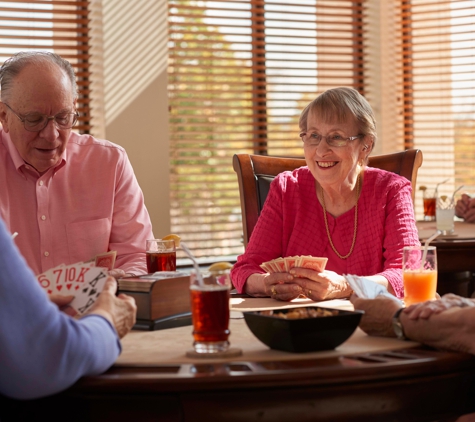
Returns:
point(135, 95)
point(135, 86)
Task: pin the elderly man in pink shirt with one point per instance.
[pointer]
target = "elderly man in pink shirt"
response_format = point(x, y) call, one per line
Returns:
point(69, 196)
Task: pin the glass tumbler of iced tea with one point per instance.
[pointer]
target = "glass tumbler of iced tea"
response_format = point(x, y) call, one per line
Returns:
point(210, 311)
point(429, 201)
point(161, 255)
point(445, 214)
point(419, 272)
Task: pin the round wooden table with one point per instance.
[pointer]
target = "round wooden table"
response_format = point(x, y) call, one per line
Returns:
point(364, 379)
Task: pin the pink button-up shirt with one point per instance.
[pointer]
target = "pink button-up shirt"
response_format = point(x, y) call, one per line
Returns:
point(88, 204)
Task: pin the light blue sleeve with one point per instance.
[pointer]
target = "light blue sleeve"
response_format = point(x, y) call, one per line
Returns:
point(42, 350)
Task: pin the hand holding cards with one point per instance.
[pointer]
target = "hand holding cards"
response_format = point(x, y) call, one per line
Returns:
point(82, 280)
point(282, 265)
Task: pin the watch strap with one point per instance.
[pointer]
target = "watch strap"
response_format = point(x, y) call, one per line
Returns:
point(397, 326)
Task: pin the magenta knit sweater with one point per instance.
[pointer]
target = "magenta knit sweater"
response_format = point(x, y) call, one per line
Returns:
point(291, 223)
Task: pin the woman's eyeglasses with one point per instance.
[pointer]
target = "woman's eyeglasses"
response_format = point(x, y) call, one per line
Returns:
point(312, 139)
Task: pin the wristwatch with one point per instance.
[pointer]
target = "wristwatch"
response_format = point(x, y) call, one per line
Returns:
point(397, 326)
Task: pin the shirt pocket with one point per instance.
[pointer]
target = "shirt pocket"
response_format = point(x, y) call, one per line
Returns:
point(86, 239)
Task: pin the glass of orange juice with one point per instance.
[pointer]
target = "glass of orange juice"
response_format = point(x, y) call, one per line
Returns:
point(419, 272)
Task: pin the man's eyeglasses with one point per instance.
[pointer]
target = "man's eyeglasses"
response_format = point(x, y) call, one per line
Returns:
point(35, 122)
point(312, 139)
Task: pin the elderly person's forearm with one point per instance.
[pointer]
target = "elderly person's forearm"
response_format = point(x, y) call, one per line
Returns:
point(453, 329)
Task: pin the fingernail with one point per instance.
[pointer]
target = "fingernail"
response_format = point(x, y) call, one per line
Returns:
point(296, 288)
point(292, 272)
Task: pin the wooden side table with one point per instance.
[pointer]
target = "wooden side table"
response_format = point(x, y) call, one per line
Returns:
point(455, 257)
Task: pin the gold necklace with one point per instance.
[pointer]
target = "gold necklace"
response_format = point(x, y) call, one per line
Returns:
point(358, 185)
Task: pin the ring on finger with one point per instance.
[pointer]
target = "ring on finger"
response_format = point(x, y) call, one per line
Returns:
point(273, 291)
point(309, 293)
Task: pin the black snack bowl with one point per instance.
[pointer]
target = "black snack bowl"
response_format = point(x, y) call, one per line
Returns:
point(303, 334)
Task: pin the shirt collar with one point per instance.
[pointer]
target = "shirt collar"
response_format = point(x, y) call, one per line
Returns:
point(19, 162)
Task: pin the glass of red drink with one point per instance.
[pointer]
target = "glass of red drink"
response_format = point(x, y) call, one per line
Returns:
point(161, 255)
point(210, 311)
point(430, 199)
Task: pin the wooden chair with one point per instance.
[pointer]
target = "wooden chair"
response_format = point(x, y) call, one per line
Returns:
point(255, 172)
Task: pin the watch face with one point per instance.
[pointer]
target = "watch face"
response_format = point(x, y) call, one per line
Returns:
point(398, 330)
point(397, 327)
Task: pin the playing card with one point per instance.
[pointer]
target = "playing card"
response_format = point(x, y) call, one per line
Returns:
point(82, 280)
point(290, 262)
point(90, 289)
point(265, 267)
point(313, 263)
point(279, 264)
point(65, 277)
point(106, 260)
point(46, 281)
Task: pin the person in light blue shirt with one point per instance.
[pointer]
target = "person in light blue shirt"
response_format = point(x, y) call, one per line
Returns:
point(43, 350)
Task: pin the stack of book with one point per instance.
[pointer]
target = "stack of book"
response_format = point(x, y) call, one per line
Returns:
point(162, 298)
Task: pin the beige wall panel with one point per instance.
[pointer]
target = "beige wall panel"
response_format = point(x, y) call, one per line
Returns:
point(135, 96)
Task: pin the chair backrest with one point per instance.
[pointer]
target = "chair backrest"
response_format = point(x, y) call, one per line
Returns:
point(256, 172)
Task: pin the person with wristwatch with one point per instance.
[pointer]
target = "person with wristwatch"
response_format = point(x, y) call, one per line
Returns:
point(447, 323)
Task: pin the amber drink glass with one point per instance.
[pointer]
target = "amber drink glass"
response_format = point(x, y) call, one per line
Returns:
point(420, 280)
point(210, 311)
point(430, 201)
point(161, 255)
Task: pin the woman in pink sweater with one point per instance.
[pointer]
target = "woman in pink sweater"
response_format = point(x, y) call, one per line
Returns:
point(359, 217)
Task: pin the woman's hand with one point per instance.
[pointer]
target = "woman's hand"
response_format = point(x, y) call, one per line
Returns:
point(378, 315)
point(425, 309)
point(320, 285)
point(278, 286)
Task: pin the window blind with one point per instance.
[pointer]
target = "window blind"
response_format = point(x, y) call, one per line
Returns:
point(240, 73)
point(61, 27)
point(438, 90)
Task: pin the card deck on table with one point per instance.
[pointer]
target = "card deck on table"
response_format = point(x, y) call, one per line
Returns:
point(84, 281)
point(281, 265)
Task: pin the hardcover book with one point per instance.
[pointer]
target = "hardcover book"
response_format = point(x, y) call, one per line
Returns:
point(162, 298)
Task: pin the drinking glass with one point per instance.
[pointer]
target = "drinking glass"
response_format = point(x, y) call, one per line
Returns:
point(419, 271)
point(161, 255)
point(429, 198)
point(445, 214)
point(210, 311)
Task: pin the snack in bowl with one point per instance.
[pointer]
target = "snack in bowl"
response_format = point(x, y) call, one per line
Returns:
point(302, 313)
point(304, 333)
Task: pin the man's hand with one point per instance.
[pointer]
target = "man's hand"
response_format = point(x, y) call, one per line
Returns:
point(119, 310)
point(116, 273)
point(425, 309)
point(465, 208)
point(378, 315)
point(62, 302)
